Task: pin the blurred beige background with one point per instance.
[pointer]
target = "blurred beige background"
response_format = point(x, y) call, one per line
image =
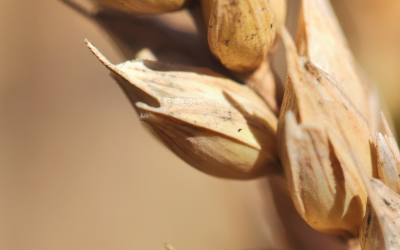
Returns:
point(77, 171)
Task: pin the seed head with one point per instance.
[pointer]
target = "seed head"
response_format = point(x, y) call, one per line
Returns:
point(314, 96)
point(240, 32)
point(329, 112)
point(215, 124)
point(322, 178)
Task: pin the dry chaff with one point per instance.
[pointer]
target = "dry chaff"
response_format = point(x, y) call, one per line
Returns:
point(386, 163)
point(323, 179)
point(321, 40)
point(388, 156)
point(314, 96)
point(213, 123)
point(381, 226)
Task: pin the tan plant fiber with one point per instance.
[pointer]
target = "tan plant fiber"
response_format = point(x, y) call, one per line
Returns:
point(145, 6)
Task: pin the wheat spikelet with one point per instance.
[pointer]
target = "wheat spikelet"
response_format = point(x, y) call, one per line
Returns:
point(324, 136)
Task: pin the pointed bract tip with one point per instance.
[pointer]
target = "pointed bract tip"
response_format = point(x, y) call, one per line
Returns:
point(103, 59)
point(100, 56)
point(385, 125)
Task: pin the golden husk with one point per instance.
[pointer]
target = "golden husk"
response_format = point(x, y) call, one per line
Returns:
point(314, 96)
point(240, 32)
point(215, 124)
point(320, 39)
point(381, 225)
point(322, 178)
